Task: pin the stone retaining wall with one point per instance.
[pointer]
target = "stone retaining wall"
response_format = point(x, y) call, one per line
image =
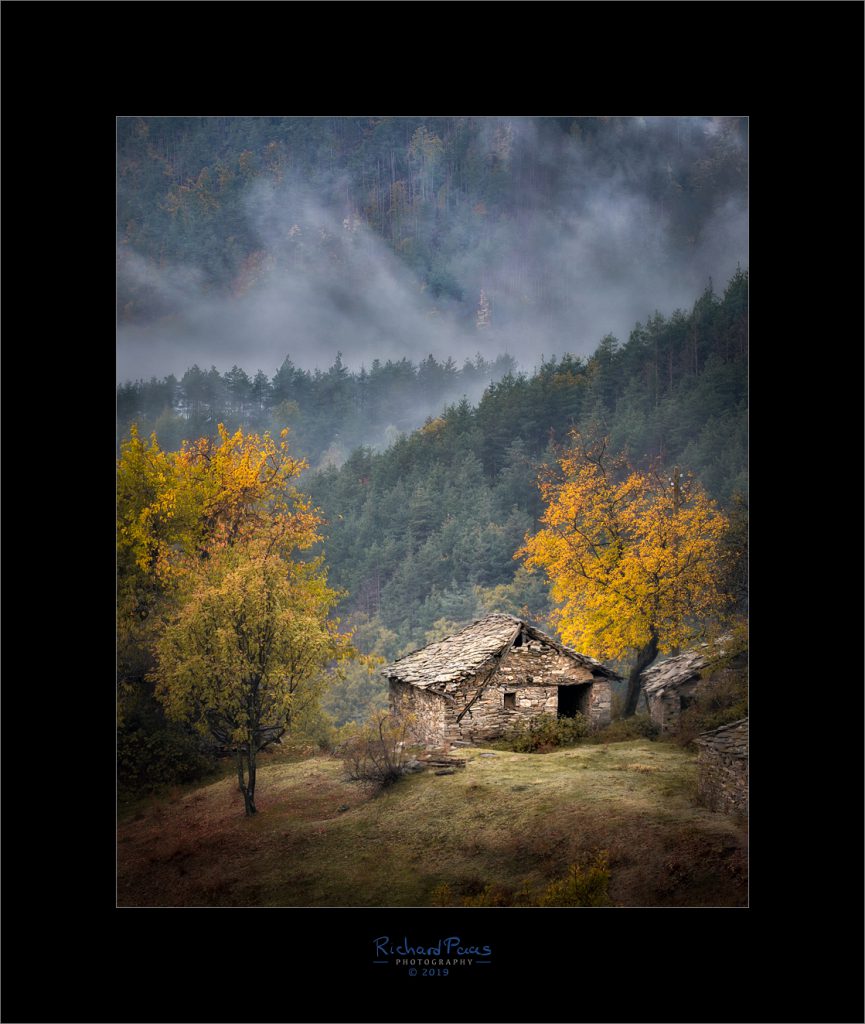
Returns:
point(722, 765)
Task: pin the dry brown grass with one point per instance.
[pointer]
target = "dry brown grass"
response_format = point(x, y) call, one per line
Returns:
point(503, 820)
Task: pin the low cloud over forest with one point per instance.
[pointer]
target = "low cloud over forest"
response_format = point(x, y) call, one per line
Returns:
point(243, 240)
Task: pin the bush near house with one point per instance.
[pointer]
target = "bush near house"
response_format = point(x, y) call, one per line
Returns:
point(376, 751)
point(634, 728)
point(546, 732)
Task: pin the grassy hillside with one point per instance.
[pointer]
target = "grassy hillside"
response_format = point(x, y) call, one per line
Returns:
point(505, 820)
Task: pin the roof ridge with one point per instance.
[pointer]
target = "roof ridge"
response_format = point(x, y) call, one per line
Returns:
point(462, 629)
point(464, 652)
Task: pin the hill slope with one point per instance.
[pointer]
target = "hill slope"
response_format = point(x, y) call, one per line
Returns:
point(421, 536)
point(504, 820)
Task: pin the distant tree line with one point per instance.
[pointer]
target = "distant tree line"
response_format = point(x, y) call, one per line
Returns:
point(329, 410)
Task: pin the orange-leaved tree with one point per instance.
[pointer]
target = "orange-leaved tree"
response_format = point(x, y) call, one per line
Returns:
point(634, 557)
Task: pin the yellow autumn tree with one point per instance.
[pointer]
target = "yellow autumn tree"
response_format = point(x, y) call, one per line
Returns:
point(171, 505)
point(225, 612)
point(147, 527)
point(634, 557)
point(249, 644)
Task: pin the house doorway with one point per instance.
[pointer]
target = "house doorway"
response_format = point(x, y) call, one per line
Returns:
point(569, 701)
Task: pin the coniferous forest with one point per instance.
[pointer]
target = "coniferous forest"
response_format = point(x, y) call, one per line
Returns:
point(422, 527)
point(350, 352)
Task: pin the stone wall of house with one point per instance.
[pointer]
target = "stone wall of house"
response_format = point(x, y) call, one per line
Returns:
point(531, 672)
point(488, 717)
point(600, 702)
point(664, 709)
point(722, 766)
point(534, 663)
point(426, 711)
point(665, 705)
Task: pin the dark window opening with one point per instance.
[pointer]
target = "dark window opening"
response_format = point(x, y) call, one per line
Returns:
point(510, 700)
point(519, 640)
point(685, 702)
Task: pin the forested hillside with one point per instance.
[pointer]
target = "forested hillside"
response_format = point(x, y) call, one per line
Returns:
point(438, 190)
point(378, 377)
point(421, 535)
point(241, 239)
point(428, 305)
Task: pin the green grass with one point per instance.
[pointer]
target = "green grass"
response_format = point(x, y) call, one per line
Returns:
point(503, 820)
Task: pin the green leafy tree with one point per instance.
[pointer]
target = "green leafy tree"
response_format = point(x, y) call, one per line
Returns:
point(248, 646)
point(211, 581)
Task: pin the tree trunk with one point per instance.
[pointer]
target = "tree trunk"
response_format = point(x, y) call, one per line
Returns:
point(645, 657)
point(241, 785)
point(249, 791)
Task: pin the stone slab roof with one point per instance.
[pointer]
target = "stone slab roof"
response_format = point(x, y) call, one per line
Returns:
point(675, 671)
point(728, 739)
point(683, 668)
point(444, 664)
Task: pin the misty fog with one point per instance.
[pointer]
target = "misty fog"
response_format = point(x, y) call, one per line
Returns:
point(589, 252)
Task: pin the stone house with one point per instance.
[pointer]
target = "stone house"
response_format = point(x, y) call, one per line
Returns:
point(495, 673)
point(722, 767)
point(670, 685)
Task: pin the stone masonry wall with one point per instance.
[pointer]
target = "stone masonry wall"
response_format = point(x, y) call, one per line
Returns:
point(601, 702)
point(426, 709)
point(533, 663)
point(722, 765)
point(532, 672)
point(488, 717)
point(665, 706)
